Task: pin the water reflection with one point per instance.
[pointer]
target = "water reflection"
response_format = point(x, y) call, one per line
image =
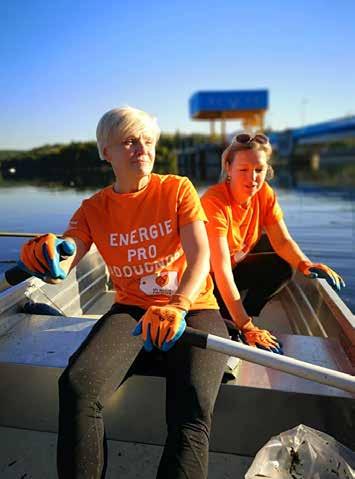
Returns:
point(78, 178)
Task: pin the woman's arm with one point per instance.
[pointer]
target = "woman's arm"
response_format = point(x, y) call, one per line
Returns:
point(43, 256)
point(195, 245)
point(162, 326)
point(222, 269)
point(289, 250)
point(284, 245)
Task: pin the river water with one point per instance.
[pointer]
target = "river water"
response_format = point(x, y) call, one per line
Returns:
point(321, 221)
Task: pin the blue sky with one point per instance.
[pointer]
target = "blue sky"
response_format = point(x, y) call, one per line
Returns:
point(63, 64)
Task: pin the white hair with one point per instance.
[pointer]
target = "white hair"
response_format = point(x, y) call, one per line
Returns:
point(119, 123)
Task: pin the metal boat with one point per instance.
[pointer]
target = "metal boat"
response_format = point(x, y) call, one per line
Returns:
point(255, 402)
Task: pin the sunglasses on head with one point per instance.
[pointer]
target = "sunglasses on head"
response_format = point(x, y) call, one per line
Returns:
point(245, 138)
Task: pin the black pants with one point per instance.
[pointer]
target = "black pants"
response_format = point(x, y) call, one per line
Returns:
point(263, 273)
point(105, 359)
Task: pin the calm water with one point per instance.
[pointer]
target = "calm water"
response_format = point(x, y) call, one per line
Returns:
point(322, 222)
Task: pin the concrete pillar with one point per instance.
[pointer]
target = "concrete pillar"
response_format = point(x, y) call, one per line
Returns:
point(212, 129)
point(262, 121)
point(223, 130)
point(315, 160)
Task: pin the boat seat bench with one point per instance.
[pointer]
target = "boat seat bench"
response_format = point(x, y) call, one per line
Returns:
point(36, 350)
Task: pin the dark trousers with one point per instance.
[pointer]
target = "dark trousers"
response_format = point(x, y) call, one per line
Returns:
point(263, 273)
point(106, 358)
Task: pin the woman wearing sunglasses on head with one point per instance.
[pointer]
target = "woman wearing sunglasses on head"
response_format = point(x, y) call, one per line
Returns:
point(239, 209)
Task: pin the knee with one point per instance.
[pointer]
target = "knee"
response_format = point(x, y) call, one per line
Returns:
point(64, 383)
point(193, 427)
point(194, 412)
point(71, 385)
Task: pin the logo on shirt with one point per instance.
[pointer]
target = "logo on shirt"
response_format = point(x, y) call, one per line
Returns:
point(165, 282)
point(162, 279)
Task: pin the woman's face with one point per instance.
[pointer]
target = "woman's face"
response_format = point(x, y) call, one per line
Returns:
point(133, 157)
point(247, 172)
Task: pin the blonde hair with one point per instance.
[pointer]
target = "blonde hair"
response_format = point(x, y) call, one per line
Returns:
point(229, 153)
point(122, 122)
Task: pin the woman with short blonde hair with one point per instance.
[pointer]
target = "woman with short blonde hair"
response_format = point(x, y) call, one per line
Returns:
point(150, 231)
point(121, 122)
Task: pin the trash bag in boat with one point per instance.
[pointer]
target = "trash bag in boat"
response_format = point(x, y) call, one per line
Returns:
point(303, 453)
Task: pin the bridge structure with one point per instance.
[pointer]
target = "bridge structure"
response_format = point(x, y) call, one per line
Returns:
point(297, 148)
point(202, 161)
point(314, 137)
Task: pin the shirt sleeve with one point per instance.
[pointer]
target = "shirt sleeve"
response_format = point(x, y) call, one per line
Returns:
point(189, 204)
point(217, 224)
point(79, 228)
point(273, 211)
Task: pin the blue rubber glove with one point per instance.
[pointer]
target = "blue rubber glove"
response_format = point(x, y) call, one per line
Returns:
point(161, 326)
point(41, 256)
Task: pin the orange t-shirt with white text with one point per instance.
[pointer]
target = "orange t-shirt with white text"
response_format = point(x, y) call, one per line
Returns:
point(137, 235)
point(241, 225)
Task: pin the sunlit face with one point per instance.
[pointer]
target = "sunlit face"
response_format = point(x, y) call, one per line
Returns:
point(247, 173)
point(133, 157)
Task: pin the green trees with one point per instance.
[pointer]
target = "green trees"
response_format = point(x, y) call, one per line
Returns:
point(84, 155)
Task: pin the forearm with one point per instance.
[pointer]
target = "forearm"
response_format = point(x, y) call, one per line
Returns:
point(194, 276)
point(284, 245)
point(290, 252)
point(230, 295)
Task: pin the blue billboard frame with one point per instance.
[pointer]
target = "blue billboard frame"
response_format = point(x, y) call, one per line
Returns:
point(204, 102)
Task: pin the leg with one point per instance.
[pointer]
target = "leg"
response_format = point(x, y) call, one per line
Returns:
point(193, 380)
point(263, 275)
point(94, 372)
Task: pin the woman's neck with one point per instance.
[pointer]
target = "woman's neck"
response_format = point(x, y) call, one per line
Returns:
point(237, 200)
point(127, 186)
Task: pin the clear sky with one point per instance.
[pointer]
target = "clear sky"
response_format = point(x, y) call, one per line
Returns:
point(64, 63)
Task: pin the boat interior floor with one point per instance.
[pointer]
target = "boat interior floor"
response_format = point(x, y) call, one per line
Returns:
point(253, 405)
point(32, 455)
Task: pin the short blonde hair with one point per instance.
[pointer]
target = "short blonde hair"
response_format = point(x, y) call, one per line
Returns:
point(229, 153)
point(122, 122)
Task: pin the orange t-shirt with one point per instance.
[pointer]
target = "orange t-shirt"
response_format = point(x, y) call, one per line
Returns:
point(138, 237)
point(242, 225)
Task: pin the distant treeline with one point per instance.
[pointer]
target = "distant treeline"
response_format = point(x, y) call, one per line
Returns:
point(78, 163)
point(7, 154)
point(79, 155)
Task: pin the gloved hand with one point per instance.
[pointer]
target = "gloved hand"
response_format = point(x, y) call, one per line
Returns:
point(260, 338)
point(162, 326)
point(319, 270)
point(41, 256)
